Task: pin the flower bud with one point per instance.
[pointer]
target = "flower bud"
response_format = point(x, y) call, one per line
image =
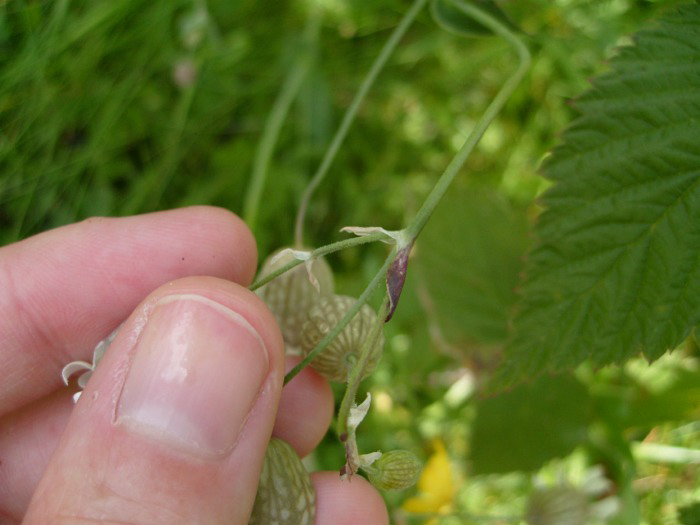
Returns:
point(395, 470)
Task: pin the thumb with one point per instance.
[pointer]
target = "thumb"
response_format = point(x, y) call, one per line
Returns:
point(173, 425)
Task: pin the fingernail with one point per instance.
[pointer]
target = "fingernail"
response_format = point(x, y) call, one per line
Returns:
point(196, 373)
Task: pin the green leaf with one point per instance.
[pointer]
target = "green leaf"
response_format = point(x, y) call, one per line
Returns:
point(468, 260)
point(615, 271)
point(641, 407)
point(524, 428)
point(448, 15)
point(689, 514)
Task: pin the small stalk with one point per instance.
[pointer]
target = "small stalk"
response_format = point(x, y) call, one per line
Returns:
point(349, 116)
point(438, 191)
point(356, 375)
point(347, 432)
point(314, 254)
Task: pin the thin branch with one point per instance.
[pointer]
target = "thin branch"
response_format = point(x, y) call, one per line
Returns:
point(318, 252)
point(438, 191)
point(349, 116)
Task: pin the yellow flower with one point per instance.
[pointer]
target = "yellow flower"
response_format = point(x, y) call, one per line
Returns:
point(436, 486)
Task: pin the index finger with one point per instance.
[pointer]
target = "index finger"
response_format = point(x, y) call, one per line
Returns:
point(64, 290)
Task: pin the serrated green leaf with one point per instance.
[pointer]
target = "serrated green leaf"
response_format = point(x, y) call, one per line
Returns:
point(450, 17)
point(469, 258)
point(615, 271)
point(530, 425)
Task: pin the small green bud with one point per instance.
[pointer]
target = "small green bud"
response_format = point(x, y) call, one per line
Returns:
point(395, 470)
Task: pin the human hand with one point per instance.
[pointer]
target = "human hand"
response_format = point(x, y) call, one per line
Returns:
point(173, 425)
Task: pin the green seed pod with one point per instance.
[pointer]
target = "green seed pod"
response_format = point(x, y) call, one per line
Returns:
point(337, 360)
point(285, 494)
point(292, 294)
point(395, 470)
point(563, 505)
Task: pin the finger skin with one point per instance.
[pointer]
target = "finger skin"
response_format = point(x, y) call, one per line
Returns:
point(29, 436)
point(305, 409)
point(340, 502)
point(66, 289)
point(103, 471)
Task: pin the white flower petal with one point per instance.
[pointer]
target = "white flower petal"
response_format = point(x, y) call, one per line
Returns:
point(312, 278)
point(358, 413)
point(72, 368)
point(83, 379)
point(301, 255)
point(367, 459)
point(391, 237)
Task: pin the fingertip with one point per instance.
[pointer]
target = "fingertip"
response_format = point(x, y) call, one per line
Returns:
point(232, 230)
point(69, 287)
point(173, 424)
point(201, 238)
point(350, 502)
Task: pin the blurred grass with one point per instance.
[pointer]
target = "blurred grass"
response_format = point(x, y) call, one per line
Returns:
point(93, 122)
point(120, 107)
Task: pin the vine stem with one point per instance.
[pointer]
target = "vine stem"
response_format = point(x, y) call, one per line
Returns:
point(438, 191)
point(357, 371)
point(350, 114)
point(290, 88)
point(408, 234)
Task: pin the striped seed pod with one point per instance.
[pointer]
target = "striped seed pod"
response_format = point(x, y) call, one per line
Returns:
point(291, 295)
point(337, 360)
point(285, 494)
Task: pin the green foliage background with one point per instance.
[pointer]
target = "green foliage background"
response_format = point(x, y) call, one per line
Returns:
point(120, 107)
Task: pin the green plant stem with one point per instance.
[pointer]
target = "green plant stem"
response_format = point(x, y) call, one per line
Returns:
point(290, 88)
point(349, 116)
point(364, 297)
point(438, 191)
point(314, 254)
point(357, 371)
point(414, 228)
